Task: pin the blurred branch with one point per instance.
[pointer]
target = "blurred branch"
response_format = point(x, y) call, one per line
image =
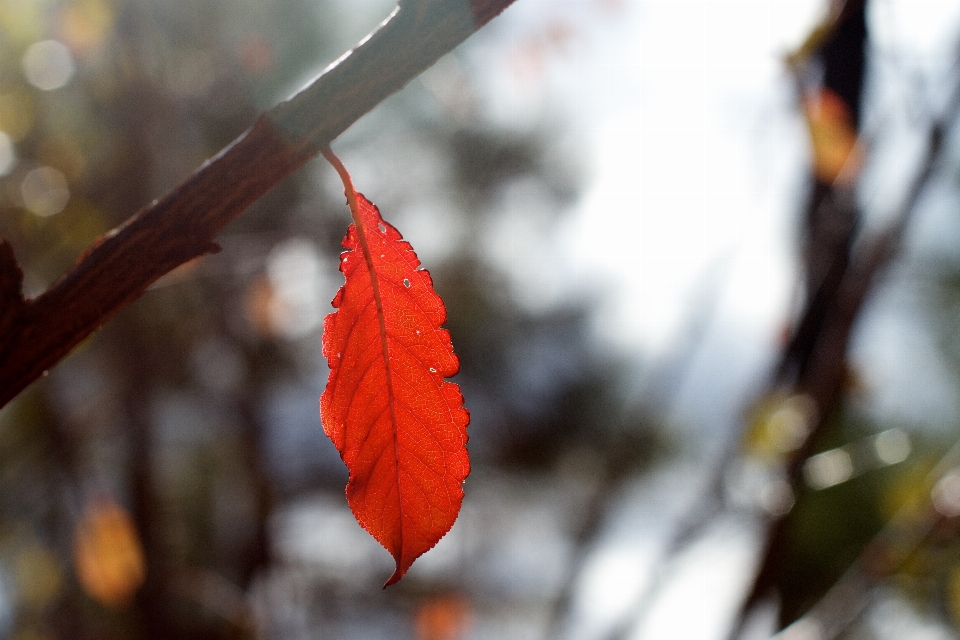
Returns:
point(35, 334)
point(813, 362)
point(825, 360)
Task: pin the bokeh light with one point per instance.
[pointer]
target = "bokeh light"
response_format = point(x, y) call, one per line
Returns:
point(45, 191)
point(48, 65)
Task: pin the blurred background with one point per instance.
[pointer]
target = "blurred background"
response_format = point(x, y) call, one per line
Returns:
point(701, 261)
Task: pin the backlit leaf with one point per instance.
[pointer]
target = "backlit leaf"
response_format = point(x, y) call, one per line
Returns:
point(399, 426)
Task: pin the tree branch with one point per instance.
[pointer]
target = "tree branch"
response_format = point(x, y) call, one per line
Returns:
point(827, 353)
point(35, 334)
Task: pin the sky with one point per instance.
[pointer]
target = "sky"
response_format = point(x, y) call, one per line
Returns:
point(692, 142)
point(692, 151)
point(686, 125)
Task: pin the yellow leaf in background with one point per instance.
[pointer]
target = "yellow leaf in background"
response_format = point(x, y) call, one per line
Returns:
point(107, 554)
point(779, 424)
point(836, 154)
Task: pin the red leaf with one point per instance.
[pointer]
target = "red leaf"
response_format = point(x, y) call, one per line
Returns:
point(400, 427)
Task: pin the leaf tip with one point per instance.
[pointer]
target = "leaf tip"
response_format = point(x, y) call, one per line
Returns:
point(395, 578)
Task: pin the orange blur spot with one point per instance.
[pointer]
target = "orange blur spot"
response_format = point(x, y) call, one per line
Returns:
point(836, 154)
point(107, 554)
point(444, 617)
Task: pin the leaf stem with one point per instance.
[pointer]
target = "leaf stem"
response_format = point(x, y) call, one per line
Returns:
point(348, 188)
